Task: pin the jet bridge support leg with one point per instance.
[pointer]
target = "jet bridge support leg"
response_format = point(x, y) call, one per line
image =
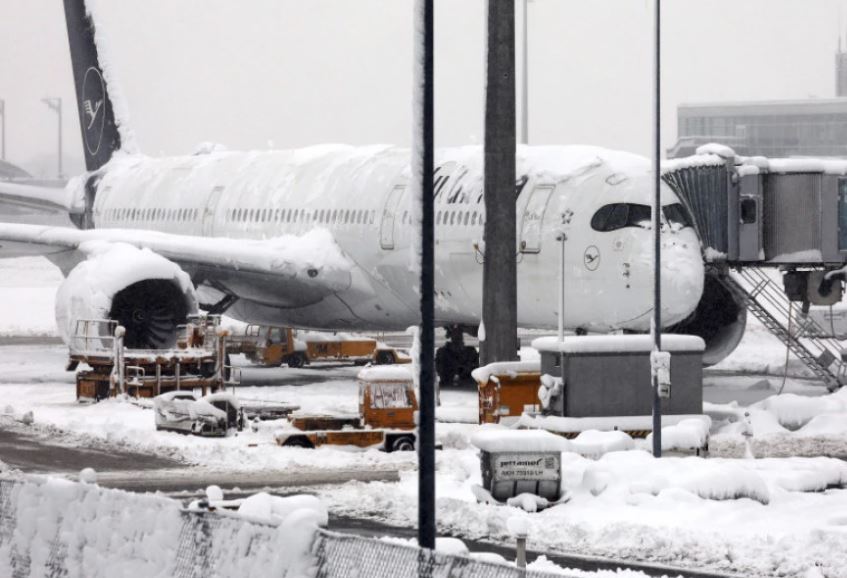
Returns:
point(454, 359)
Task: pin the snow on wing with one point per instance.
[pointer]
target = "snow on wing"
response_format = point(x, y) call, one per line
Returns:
point(311, 265)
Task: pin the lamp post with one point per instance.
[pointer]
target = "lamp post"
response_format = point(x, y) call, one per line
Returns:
point(3, 130)
point(55, 104)
point(657, 222)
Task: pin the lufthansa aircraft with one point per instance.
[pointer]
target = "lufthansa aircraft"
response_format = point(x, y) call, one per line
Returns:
point(322, 237)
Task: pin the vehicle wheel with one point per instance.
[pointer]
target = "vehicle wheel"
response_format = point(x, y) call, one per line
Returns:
point(384, 358)
point(403, 444)
point(295, 360)
point(298, 442)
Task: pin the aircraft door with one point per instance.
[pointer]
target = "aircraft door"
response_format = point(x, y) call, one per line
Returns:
point(389, 215)
point(533, 218)
point(209, 211)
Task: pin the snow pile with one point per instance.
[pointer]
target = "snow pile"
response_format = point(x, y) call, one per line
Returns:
point(691, 433)
point(638, 472)
point(105, 532)
point(528, 503)
point(724, 482)
point(83, 530)
point(492, 438)
point(716, 149)
point(594, 443)
point(277, 509)
point(782, 425)
point(550, 388)
point(510, 368)
point(617, 343)
point(795, 411)
point(399, 373)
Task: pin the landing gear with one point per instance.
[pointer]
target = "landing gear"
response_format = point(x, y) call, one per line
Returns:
point(455, 359)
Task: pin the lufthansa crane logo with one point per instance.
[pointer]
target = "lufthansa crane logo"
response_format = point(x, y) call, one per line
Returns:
point(591, 258)
point(91, 111)
point(93, 99)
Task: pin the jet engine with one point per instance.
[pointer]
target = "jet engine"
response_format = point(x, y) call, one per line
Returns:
point(720, 319)
point(142, 291)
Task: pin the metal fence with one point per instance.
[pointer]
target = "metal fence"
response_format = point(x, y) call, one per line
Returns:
point(38, 540)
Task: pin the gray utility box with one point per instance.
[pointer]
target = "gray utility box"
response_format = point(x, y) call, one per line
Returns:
point(610, 375)
point(515, 462)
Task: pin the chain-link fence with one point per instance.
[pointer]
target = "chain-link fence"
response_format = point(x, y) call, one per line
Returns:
point(60, 529)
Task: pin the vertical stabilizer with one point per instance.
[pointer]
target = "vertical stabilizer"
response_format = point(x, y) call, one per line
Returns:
point(100, 136)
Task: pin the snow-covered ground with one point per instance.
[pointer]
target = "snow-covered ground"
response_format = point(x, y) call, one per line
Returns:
point(762, 517)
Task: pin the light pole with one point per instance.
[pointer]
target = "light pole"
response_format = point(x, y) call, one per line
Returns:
point(55, 103)
point(3, 130)
point(657, 222)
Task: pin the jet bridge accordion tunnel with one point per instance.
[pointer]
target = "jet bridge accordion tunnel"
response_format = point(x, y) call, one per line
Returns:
point(754, 212)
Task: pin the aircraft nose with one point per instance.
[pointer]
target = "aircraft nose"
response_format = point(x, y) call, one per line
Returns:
point(683, 275)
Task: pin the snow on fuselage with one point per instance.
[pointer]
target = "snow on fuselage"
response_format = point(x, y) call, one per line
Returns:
point(362, 195)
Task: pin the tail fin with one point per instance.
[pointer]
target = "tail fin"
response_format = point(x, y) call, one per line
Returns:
point(100, 134)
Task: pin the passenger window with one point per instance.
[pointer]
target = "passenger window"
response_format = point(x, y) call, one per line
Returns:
point(748, 211)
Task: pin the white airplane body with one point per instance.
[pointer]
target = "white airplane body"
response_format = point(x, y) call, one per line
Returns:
point(323, 237)
point(362, 197)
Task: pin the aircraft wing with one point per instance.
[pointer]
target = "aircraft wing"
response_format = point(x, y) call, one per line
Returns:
point(35, 198)
point(309, 265)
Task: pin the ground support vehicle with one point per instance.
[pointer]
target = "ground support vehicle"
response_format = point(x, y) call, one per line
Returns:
point(273, 346)
point(198, 361)
point(210, 416)
point(387, 406)
point(506, 390)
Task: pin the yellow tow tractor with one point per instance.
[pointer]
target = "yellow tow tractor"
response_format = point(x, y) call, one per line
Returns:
point(273, 346)
point(386, 419)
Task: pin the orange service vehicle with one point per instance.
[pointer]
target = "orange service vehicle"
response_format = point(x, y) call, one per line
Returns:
point(386, 419)
point(273, 346)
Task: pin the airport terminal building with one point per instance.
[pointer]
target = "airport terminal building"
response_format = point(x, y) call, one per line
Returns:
point(791, 128)
point(814, 127)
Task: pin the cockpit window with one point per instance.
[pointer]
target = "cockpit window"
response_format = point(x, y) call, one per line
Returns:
point(619, 215)
point(677, 215)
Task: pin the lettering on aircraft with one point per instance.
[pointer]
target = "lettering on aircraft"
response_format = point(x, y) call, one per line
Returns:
point(93, 98)
point(451, 186)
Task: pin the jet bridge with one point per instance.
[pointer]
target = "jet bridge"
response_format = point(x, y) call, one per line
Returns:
point(761, 218)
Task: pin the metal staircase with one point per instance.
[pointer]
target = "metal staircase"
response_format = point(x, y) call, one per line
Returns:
point(804, 337)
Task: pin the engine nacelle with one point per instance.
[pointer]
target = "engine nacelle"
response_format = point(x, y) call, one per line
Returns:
point(720, 320)
point(147, 294)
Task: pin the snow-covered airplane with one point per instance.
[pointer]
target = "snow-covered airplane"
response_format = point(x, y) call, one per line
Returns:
point(322, 237)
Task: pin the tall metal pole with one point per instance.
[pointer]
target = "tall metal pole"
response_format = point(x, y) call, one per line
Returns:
point(657, 222)
point(3, 130)
point(525, 77)
point(499, 270)
point(424, 149)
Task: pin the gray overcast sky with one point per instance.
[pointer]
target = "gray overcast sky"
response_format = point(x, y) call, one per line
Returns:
point(288, 73)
